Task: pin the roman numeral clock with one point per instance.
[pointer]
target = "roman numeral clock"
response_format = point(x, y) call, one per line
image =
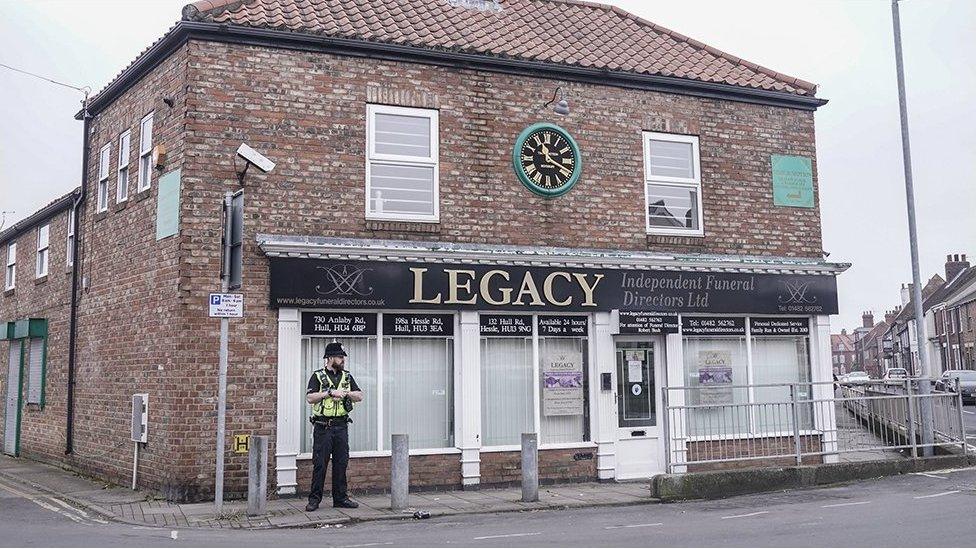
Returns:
point(547, 160)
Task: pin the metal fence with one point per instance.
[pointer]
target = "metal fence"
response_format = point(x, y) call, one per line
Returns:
point(730, 426)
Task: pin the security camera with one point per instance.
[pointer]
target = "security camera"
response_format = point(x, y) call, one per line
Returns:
point(254, 157)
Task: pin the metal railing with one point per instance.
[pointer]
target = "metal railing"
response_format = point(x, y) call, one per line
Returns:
point(731, 426)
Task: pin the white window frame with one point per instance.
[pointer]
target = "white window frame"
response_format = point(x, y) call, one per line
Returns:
point(683, 182)
point(431, 161)
point(145, 154)
point(43, 251)
point(122, 189)
point(10, 272)
point(69, 253)
point(104, 156)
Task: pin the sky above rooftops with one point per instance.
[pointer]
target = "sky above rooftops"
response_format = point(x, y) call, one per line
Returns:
point(843, 46)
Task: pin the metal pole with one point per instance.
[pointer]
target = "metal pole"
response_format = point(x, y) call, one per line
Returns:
point(222, 368)
point(666, 424)
point(399, 472)
point(912, 405)
point(924, 388)
point(796, 425)
point(530, 467)
point(962, 426)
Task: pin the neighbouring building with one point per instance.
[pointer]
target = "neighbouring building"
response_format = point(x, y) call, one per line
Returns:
point(493, 265)
point(842, 352)
point(949, 312)
point(869, 345)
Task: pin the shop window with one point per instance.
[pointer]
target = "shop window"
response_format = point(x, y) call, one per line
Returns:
point(563, 389)
point(418, 389)
point(402, 163)
point(362, 364)
point(145, 152)
point(778, 361)
point(10, 273)
point(716, 374)
point(506, 390)
point(672, 181)
point(122, 183)
point(43, 247)
point(101, 193)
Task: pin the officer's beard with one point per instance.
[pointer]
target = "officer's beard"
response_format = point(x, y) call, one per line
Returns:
point(338, 366)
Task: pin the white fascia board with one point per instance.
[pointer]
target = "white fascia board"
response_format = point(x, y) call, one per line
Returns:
point(445, 252)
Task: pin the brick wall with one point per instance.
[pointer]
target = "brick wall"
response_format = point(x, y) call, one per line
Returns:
point(751, 447)
point(372, 474)
point(48, 297)
point(563, 465)
point(143, 320)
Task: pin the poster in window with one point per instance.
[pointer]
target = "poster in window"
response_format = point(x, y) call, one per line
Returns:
point(715, 377)
point(562, 388)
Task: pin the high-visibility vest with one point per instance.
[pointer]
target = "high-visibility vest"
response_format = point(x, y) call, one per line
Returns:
point(328, 406)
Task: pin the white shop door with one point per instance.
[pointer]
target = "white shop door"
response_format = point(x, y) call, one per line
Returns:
point(639, 442)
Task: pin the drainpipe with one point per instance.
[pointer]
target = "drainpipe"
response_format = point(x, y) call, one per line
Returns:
point(73, 316)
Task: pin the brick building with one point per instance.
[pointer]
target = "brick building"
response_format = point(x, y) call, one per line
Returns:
point(842, 352)
point(416, 213)
point(950, 312)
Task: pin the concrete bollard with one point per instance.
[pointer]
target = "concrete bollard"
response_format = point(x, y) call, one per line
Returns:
point(399, 472)
point(257, 476)
point(530, 467)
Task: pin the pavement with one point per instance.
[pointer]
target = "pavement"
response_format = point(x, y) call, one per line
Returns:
point(933, 509)
point(89, 497)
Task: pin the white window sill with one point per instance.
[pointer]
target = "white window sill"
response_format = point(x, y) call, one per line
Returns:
point(557, 446)
point(374, 217)
point(387, 453)
point(676, 232)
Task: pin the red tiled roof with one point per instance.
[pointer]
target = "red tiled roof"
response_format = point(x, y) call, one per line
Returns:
point(562, 32)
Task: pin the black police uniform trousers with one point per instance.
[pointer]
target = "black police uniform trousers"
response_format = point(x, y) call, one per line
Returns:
point(330, 441)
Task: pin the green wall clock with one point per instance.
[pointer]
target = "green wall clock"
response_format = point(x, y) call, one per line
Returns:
point(547, 160)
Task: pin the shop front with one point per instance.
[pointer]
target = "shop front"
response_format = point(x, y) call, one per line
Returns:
point(466, 347)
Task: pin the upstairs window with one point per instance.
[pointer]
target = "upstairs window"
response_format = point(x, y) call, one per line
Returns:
point(10, 274)
point(70, 244)
point(122, 185)
point(43, 246)
point(672, 181)
point(401, 163)
point(145, 152)
point(102, 191)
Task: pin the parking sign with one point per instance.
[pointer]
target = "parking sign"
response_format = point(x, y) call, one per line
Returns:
point(227, 305)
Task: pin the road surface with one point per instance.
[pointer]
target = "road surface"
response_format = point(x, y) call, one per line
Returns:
point(932, 509)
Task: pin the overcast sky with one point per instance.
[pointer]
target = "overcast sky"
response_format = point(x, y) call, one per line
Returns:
point(845, 46)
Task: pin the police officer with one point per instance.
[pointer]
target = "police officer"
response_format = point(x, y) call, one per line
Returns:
point(331, 392)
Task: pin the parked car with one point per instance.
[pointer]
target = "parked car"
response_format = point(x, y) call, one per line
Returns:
point(966, 380)
point(896, 374)
point(856, 377)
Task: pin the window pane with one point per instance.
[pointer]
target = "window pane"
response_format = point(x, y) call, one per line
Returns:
point(418, 390)
point(712, 365)
point(396, 189)
point(401, 135)
point(670, 159)
point(361, 363)
point(563, 388)
point(103, 164)
point(673, 207)
point(145, 135)
point(42, 236)
point(780, 360)
point(506, 388)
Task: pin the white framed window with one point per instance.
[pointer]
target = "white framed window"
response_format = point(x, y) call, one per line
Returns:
point(122, 182)
point(102, 190)
point(672, 184)
point(43, 246)
point(402, 163)
point(145, 152)
point(10, 274)
point(69, 253)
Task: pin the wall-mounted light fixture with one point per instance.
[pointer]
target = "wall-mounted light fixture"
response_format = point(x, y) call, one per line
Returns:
point(562, 106)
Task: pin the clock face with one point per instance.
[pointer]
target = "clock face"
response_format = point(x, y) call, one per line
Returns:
point(547, 159)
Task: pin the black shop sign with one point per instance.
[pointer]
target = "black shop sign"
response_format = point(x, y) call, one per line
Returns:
point(779, 326)
point(505, 325)
point(563, 326)
point(338, 324)
point(413, 324)
point(638, 322)
point(377, 285)
point(713, 326)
